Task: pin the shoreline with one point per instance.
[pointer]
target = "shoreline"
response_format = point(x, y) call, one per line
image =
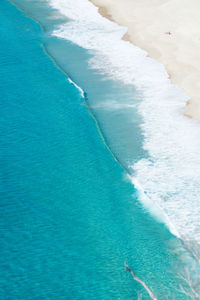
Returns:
point(168, 32)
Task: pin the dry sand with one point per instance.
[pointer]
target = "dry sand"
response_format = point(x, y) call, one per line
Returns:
point(149, 23)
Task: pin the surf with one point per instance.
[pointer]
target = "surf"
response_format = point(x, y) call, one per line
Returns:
point(169, 173)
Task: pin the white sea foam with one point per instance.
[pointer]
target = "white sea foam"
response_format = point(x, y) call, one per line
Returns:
point(78, 87)
point(169, 180)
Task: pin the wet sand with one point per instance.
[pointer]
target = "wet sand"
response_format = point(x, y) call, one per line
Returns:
point(169, 31)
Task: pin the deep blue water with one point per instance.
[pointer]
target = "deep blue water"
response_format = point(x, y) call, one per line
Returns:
point(68, 215)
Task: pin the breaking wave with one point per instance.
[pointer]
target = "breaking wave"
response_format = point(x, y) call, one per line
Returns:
point(168, 180)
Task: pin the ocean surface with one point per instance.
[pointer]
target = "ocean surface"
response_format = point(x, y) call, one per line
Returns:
point(74, 139)
point(170, 172)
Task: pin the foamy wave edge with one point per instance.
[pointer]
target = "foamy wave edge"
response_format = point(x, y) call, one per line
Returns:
point(168, 180)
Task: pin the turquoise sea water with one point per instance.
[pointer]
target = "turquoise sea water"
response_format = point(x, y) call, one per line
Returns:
point(69, 216)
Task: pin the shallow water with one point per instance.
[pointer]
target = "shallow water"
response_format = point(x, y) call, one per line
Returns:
point(69, 215)
point(171, 140)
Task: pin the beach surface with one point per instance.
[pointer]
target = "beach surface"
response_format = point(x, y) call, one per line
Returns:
point(169, 31)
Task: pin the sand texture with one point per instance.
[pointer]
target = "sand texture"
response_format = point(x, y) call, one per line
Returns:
point(169, 30)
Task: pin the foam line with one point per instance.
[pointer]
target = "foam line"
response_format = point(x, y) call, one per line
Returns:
point(170, 176)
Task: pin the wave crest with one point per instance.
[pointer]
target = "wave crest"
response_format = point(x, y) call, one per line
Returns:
point(170, 175)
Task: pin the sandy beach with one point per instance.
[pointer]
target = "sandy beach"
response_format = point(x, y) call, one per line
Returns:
point(169, 30)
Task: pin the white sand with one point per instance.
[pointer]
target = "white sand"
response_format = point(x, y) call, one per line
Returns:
point(148, 21)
